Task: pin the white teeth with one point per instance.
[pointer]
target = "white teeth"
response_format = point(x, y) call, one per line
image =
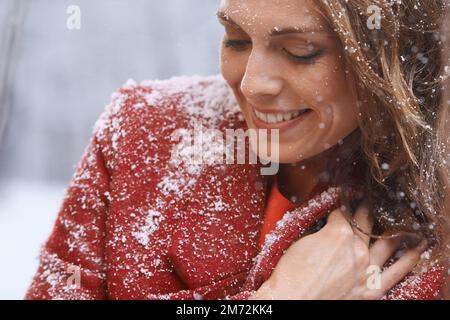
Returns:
point(280, 117)
point(277, 117)
point(261, 116)
point(287, 117)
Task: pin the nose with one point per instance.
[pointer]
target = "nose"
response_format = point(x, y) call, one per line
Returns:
point(261, 79)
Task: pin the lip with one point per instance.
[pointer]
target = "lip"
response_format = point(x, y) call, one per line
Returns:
point(273, 110)
point(282, 126)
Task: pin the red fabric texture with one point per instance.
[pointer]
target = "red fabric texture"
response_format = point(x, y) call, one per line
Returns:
point(137, 224)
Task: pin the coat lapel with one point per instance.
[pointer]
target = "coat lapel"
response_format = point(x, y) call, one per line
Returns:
point(217, 237)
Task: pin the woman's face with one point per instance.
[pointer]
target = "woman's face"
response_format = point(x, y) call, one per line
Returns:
point(287, 71)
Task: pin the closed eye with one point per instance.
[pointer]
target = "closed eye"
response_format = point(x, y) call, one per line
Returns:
point(240, 45)
point(304, 58)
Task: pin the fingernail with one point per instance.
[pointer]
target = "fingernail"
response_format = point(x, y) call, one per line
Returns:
point(422, 245)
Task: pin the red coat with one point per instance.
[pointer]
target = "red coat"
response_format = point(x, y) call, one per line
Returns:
point(136, 225)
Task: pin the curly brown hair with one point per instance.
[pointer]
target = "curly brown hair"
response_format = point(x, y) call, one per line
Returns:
point(404, 120)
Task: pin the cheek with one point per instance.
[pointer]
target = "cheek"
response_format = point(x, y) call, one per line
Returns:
point(343, 121)
point(335, 92)
point(340, 112)
point(326, 86)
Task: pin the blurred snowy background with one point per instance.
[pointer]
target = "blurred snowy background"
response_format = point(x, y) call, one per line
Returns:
point(54, 83)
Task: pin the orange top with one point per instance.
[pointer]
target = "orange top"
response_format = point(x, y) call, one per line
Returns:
point(277, 206)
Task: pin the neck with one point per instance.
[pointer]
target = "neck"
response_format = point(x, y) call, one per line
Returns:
point(297, 180)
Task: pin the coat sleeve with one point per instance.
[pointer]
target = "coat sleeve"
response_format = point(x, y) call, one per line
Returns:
point(244, 295)
point(71, 262)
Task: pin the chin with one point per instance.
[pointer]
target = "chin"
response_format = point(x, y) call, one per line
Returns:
point(287, 155)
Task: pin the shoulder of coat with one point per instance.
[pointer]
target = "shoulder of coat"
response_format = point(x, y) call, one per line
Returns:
point(201, 98)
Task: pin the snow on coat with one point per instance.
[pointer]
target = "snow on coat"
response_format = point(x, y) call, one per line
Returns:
point(135, 224)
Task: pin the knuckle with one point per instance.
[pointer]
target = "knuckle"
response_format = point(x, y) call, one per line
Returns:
point(362, 253)
point(344, 230)
point(362, 256)
point(340, 227)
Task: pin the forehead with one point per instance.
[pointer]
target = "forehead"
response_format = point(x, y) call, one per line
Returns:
point(274, 13)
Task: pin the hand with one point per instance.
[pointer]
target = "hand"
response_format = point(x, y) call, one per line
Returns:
point(334, 262)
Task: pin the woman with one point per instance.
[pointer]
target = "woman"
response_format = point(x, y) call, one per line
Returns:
point(356, 210)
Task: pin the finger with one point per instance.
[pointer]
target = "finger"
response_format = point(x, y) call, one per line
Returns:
point(337, 217)
point(395, 273)
point(364, 221)
point(338, 224)
point(383, 249)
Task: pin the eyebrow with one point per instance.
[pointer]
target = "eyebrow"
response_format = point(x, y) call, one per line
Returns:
point(223, 17)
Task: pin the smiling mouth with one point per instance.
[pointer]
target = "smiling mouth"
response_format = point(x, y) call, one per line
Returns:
point(274, 118)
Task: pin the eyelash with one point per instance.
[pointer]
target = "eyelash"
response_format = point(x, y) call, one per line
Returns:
point(240, 45)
